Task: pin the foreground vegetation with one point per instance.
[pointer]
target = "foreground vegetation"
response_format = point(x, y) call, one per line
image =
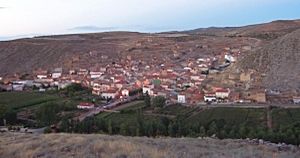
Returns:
point(150, 117)
point(178, 121)
point(42, 109)
point(95, 145)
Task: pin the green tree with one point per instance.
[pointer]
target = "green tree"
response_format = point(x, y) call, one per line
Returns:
point(11, 117)
point(159, 101)
point(212, 129)
point(243, 131)
point(147, 100)
point(252, 133)
point(123, 129)
point(202, 132)
point(110, 129)
point(47, 114)
point(3, 110)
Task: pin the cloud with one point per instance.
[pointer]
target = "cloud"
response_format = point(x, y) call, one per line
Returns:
point(2, 7)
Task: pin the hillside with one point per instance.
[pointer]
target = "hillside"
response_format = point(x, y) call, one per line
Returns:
point(89, 50)
point(267, 31)
point(71, 145)
point(278, 61)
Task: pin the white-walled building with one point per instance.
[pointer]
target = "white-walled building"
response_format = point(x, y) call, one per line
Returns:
point(18, 87)
point(210, 98)
point(125, 92)
point(181, 99)
point(148, 90)
point(110, 94)
point(95, 74)
point(222, 93)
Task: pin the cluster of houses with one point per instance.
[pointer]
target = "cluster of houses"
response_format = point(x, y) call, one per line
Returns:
point(177, 82)
point(41, 81)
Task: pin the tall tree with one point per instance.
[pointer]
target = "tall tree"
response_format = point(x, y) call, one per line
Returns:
point(159, 101)
point(110, 129)
point(147, 100)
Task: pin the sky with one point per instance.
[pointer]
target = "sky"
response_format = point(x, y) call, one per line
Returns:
point(25, 18)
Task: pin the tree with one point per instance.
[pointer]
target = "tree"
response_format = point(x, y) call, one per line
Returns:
point(159, 101)
point(3, 110)
point(171, 130)
point(123, 129)
point(11, 117)
point(147, 100)
point(212, 129)
point(110, 130)
point(46, 115)
point(202, 132)
point(243, 131)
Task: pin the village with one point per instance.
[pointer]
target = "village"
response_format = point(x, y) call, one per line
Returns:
point(183, 82)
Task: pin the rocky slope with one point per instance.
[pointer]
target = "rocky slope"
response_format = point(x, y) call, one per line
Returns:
point(71, 145)
point(278, 62)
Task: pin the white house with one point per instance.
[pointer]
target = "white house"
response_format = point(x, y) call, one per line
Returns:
point(230, 58)
point(18, 87)
point(110, 94)
point(95, 74)
point(42, 76)
point(125, 92)
point(28, 83)
point(181, 99)
point(210, 98)
point(296, 100)
point(57, 73)
point(147, 90)
point(222, 93)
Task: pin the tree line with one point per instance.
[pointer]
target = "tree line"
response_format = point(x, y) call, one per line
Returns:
point(177, 127)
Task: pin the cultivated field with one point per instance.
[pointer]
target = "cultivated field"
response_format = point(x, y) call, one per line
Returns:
point(18, 100)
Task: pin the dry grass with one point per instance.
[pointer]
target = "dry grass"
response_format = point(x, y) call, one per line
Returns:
point(79, 146)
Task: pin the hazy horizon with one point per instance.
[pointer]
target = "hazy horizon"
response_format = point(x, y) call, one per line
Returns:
point(40, 17)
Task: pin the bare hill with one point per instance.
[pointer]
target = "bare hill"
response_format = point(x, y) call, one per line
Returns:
point(71, 145)
point(267, 31)
point(278, 61)
point(88, 50)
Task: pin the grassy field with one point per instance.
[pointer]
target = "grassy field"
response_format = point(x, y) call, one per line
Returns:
point(19, 100)
point(95, 145)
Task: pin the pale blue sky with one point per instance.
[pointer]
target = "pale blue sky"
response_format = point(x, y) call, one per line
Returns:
point(43, 17)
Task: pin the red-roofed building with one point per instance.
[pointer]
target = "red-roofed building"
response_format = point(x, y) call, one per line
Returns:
point(85, 106)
